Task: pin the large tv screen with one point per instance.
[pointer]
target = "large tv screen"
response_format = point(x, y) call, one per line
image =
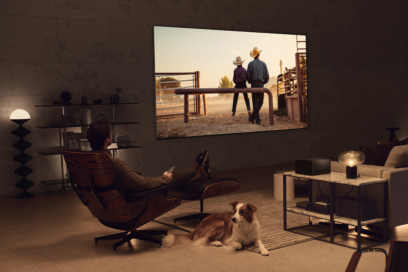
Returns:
point(214, 82)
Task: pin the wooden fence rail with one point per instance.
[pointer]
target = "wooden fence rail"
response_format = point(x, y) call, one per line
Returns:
point(202, 91)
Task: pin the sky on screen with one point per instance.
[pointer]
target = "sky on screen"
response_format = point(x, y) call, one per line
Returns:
point(212, 52)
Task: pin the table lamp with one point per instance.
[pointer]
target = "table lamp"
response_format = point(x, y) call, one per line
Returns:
point(351, 158)
point(20, 117)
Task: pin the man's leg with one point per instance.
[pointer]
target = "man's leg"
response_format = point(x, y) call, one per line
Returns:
point(234, 103)
point(256, 108)
point(182, 177)
point(260, 103)
point(254, 103)
point(247, 101)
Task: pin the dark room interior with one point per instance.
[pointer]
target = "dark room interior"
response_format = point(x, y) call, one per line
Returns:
point(63, 60)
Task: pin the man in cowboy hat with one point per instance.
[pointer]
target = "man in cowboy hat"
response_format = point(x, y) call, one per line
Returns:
point(240, 82)
point(257, 76)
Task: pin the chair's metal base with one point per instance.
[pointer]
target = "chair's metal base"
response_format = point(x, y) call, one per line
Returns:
point(145, 235)
point(371, 233)
point(355, 258)
point(200, 215)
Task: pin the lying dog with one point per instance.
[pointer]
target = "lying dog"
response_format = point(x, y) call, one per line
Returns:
point(237, 229)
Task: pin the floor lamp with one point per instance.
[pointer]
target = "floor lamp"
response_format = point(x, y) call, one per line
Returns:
point(20, 117)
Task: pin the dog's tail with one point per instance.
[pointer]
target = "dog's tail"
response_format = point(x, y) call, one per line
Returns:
point(177, 239)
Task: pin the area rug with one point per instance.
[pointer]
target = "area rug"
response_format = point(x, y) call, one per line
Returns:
point(269, 214)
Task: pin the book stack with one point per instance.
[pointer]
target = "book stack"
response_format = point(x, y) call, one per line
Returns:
point(73, 140)
point(321, 204)
point(86, 116)
point(324, 206)
point(113, 146)
point(321, 207)
point(85, 145)
point(123, 141)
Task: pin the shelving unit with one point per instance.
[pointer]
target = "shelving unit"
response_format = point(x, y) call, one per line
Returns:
point(334, 178)
point(85, 125)
point(337, 219)
point(62, 126)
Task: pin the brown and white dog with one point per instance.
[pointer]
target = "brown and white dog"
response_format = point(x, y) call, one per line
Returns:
point(237, 229)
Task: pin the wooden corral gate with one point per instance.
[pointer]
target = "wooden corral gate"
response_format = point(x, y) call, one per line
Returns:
point(167, 102)
point(293, 83)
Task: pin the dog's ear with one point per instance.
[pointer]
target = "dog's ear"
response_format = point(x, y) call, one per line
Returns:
point(252, 207)
point(234, 204)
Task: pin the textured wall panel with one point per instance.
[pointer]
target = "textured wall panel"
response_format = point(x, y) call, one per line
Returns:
point(356, 70)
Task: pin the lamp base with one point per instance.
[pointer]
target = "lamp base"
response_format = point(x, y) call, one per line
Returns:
point(25, 194)
point(351, 172)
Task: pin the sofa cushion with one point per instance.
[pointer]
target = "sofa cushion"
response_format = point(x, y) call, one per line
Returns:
point(376, 155)
point(398, 157)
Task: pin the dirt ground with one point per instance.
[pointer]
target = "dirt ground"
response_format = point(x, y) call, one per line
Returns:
point(221, 122)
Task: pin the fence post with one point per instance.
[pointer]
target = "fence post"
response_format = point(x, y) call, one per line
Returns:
point(186, 108)
point(204, 99)
point(299, 82)
point(196, 74)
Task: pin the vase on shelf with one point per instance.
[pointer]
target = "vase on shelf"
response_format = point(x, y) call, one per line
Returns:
point(393, 137)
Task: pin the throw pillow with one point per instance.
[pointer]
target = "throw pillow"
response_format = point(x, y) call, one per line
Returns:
point(376, 155)
point(401, 142)
point(398, 157)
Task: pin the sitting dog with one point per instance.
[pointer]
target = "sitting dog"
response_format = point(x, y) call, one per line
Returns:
point(237, 229)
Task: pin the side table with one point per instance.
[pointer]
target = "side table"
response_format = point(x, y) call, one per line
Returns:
point(340, 178)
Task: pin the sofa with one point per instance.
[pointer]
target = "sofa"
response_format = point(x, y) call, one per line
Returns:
point(395, 170)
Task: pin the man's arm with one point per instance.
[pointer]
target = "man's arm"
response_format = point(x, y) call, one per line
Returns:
point(245, 74)
point(266, 74)
point(128, 179)
point(249, 74)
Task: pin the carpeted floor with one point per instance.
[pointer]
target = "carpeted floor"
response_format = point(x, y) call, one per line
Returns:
point(269, 214)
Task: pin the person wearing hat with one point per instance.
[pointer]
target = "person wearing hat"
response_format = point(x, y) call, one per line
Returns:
point(257, 76)
point(240, 82)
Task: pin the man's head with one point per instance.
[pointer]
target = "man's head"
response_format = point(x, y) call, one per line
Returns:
point(99, 134)
point(255, 53)
point(238, 61)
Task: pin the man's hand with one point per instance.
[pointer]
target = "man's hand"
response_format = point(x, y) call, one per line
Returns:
point(170, 175)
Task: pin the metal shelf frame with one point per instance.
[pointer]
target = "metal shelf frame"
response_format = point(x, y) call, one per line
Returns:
point(63, 140)
point(358, 223)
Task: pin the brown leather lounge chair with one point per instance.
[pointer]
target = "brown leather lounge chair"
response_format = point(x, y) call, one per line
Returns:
point(91, 175)
point(202, 189)
point(396, 261)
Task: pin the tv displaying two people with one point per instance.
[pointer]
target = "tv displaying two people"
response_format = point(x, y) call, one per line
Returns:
point(214, 82)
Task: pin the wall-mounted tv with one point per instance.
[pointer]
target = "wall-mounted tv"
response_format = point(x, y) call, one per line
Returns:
point(208, 82)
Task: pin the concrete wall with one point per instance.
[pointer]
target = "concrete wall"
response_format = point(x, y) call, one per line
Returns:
point(357, 70)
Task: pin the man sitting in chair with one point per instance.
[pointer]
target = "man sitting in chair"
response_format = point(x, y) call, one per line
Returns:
point(127, 181)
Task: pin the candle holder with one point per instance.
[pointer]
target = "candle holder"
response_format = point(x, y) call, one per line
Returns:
point(20, 117)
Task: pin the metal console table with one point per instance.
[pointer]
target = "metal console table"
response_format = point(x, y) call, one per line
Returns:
point(340, 178)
